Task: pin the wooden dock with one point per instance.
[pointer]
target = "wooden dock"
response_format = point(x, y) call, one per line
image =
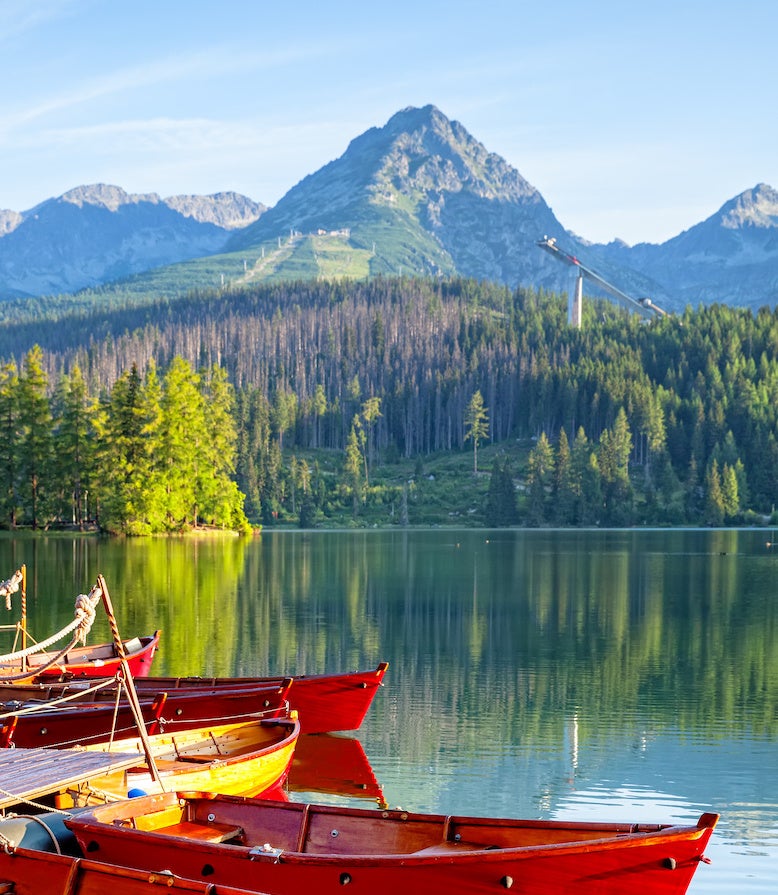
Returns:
point(30, 774)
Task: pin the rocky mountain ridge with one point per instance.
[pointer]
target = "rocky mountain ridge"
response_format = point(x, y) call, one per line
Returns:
point(418, 195)
point(93, 234)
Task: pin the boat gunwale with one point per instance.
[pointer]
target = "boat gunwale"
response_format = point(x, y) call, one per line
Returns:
point(623, 835)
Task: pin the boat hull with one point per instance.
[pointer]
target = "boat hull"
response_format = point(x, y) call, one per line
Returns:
point(29, 872)
point(245, 759)
point(325, 703)
point(87, 723)
point(294, 849)
point(97, 661)
point(331, 702)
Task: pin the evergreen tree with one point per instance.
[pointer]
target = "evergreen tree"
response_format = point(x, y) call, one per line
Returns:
point(10, 443)
point(582, 511)
point(353, 468)
point(219, 500)
point(180, 454)
point(695, 493)
point(75, 446)
point(370, 413)
point(591, 493)
point(154, 488)
point(125, 457)
point(539, 480)
point(729, 493)
point(714, 498)
point(742, 484)
point(613, 461)
point(501, 510)
point(36, 435)
point(284, 413)
point(307, 511)
point(318, 409)
point(272, 467)
point(476, 424)
point(669, 491)
point(565, 492)
point(252, 419)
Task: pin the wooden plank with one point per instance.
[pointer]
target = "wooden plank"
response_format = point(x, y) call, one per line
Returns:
point(27, 774)
point(211, 832)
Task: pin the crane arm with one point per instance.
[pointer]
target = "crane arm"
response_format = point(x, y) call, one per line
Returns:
point(643, 306)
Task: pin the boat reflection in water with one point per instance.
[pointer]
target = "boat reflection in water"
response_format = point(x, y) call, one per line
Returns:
point(332, 765)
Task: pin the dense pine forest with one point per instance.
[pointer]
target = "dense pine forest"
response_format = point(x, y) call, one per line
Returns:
point(322, 402)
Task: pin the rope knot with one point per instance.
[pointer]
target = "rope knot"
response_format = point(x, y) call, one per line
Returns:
point(10, 586)
point(85, 612)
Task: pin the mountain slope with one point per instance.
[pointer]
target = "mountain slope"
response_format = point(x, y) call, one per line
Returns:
point(417, 196)
point(94, 234)
point(731, 257)
point(422, 196)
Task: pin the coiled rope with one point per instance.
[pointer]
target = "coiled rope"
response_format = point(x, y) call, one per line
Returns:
point(81, 625)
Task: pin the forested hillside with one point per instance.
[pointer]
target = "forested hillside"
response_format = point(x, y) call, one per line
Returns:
point(620, 422)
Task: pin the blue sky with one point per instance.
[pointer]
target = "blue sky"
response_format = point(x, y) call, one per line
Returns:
point(633, 120)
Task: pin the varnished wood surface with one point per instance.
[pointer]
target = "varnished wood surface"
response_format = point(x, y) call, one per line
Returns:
point(33, 773)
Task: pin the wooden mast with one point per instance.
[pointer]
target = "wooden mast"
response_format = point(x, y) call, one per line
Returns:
point(129, 682)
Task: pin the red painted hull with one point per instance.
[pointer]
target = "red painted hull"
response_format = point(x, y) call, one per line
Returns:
point(330, 702)
point(296, 849)
point(97, 661)
point(29, 872)
point(79, 724)
point(324, 702)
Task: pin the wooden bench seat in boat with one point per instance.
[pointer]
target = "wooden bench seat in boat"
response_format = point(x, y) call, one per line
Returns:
point(211, 832)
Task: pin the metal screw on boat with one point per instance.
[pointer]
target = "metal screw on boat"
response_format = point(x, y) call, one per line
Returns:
point(333, 833)
point(506, 882)
point(211, 818)
point(345, 879)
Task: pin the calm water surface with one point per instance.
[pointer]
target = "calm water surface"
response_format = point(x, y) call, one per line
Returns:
point(582, 675)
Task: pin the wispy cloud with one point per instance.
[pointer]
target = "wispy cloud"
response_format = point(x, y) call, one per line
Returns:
point(19, 16)
point(205, 64)
point(188, 135)
point(169, 155)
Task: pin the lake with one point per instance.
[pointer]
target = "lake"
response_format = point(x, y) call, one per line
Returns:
point(609, 675)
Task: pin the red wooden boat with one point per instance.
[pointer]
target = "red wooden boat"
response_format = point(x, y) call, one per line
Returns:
point(97, 661)
point(284, 848)
point(30, 725)
point(74, 659)
point(324, 702)
point(30, 872)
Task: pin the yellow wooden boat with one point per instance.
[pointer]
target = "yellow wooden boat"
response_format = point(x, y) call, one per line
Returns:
point(248, 758)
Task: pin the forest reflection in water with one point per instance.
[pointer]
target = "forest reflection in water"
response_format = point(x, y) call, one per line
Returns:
point(628, 675)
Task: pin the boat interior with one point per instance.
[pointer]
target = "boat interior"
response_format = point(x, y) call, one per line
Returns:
point(269, 828)
point(89, 653)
